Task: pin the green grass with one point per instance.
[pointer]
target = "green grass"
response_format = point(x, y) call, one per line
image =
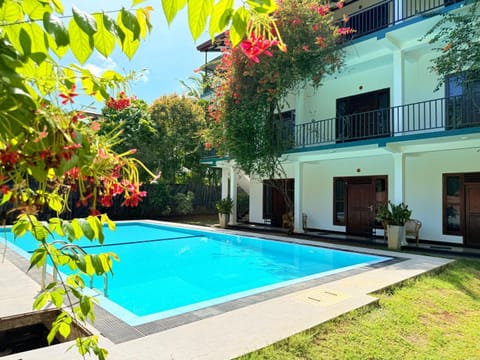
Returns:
point(436, 316)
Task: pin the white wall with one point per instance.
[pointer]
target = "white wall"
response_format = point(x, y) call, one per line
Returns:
point(320, 104)
point(318, 185)
point(419, 80)
point(423, 187)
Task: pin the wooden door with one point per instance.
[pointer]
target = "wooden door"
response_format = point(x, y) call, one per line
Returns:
point(360, 206)
point(472, 215)
point(274, 199)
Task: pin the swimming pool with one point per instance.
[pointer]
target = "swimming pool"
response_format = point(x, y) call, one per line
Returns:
point(166, 270)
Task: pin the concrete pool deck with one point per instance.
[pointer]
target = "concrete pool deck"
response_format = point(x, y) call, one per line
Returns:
point(231, 333)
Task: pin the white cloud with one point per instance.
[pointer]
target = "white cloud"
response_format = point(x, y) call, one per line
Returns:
point(100, 64)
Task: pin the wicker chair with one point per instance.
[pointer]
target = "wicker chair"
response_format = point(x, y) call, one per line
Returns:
point(412, 229)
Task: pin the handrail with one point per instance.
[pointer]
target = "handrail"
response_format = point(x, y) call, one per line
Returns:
point(441, 114)
point(388, 13)
point(76, 250)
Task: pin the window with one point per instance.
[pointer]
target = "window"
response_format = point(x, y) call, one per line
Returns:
point(363, 116)
point(339, 195)
point(381, 196)
point(452, 198)
point(463, 101)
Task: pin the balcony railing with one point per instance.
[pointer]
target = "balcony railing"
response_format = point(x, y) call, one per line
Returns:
point(388, 13)
point(422, 117)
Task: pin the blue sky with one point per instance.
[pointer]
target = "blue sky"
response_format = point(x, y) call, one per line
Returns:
point(168, 55)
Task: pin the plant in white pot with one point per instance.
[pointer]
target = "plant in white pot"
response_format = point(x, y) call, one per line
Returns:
point(224, 207)
point(395, 217)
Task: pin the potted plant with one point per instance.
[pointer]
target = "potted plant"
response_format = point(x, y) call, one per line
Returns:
point(224, 207)
point(394, 217)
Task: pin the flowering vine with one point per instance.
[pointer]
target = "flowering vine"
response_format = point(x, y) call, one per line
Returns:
point(254, 79)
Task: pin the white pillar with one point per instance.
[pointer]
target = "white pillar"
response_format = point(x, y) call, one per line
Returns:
point(398, 88)
point(225, 175)
point(298, 197)
point(398, 178)
point(299, 115)
point(300, 106)
point(233, 195)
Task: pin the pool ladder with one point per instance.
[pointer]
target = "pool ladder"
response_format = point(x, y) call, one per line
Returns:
point(74, 249)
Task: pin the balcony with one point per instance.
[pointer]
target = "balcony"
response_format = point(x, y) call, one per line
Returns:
point(444, 114)
point(383, 14)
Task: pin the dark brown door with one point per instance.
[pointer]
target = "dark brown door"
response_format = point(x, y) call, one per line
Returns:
point(276, 196)
point(360, 200)
point(472, 215)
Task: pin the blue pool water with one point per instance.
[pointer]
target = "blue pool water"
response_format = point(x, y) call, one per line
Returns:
point(165, 270)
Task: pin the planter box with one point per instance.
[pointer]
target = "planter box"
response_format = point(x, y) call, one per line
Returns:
point(29, 331)
point(396, 237)
point(223, 219)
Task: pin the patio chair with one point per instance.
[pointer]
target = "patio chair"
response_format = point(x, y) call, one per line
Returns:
point(412, 229)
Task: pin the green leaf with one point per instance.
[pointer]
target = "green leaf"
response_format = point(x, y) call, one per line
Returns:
point(96, 225)
point(221, 15)
point(97, 264)
point(55, 27)
point(56, 298)
point(110, 223)
point(89, 268)
point(143, 22)
point(35, 9)
point(58, 6)
point(6, 197)
point(25, 41)
point(104, 39)
point(77, 229)
point(21, 227)
point(198, 13)
point(136, 2)
point(67, 229)
point(85, 21)
point(11, 11)
point(128, 41)
point(87, 229)
point(64, 329)
point(52, 333)
point(85, 305)
point(38, 258)
point(81, 44)
point(171, 8)
point(56, 225)
point(130, 22)
point(239, 25)
point(41, 301)
point(55, 202)
point(263, 6)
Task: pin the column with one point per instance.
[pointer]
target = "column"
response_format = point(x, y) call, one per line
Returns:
point(233, 195)
point(398, 178)
point(299, 117)
point(298, 197)
point(225, 176)
point(398, 90)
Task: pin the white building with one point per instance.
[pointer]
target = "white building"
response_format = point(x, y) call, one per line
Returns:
point(378, 131)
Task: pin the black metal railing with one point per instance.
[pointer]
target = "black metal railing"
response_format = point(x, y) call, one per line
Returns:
point(421, 117)
point(387, 13)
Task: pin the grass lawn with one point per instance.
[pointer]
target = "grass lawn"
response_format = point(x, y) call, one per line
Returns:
point(436, 316)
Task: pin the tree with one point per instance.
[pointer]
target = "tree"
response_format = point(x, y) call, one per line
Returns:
point(246, 122)
point(128, 118)
point(49, 148)
point(457, 37)
point(178, 120)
